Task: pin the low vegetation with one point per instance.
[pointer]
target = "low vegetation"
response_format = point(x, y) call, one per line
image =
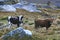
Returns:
point(38, 34)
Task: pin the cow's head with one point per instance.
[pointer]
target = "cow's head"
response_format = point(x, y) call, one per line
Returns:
point(50, 20)
point(9, 17)
point(20, 17)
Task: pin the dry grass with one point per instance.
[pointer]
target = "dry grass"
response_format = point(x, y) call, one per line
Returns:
point(39, 34)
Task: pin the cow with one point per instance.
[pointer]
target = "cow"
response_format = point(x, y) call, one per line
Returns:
point(43, 23)
point(15, 20)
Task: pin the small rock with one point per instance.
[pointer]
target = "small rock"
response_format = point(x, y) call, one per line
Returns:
point(1, 24)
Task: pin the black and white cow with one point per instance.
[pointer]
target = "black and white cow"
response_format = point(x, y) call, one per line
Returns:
point(15, 20)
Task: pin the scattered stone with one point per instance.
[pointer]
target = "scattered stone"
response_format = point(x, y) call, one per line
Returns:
point(1, 23)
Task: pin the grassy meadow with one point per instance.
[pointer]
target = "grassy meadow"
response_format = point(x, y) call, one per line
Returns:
point(38, 34)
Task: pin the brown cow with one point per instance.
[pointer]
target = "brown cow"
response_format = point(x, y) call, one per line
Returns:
point(43, 23)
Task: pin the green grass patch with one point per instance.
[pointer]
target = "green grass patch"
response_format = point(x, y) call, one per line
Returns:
point(26, 21)
point(31, 23)
point(4, 18)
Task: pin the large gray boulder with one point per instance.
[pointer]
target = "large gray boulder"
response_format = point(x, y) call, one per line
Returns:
point(19, 31)
point(7, 8)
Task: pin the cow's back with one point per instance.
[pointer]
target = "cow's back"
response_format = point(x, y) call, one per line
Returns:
point(14, 20)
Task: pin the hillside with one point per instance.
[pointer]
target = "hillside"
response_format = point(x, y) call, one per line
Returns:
point(29, 17)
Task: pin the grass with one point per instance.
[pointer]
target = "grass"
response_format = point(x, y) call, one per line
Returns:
point(31, 23)
point(28, 16)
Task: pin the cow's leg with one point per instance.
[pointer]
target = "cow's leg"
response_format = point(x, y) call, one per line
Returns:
point(47, 29)
point(36, 26)
point(18, 25)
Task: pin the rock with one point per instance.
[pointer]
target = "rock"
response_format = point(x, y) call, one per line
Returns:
point(27, 32)
point(20, 32)
point(1, 24)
